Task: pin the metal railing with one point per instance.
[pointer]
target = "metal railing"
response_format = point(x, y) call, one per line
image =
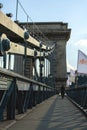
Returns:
point(18, 94)
point(79, 96)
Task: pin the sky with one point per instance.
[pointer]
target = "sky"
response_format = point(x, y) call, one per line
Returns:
point(73, 12)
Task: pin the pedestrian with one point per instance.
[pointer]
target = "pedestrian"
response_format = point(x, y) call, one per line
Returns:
point(62, 91)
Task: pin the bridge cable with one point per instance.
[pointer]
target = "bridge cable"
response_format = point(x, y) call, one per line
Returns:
point(34, 25)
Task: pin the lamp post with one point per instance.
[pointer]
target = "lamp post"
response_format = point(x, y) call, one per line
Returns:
point(41, 62)
point(35, 72)
point(44, 65)
point(26, 36)
point(46, 62)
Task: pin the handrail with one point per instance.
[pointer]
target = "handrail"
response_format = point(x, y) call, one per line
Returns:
point(15, 75)
point(19, 93)
point(78, 96)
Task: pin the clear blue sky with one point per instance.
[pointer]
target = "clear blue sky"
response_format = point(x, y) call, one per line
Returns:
point(74, 12)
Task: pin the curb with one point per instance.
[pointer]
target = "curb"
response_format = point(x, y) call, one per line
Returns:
point(7, 126)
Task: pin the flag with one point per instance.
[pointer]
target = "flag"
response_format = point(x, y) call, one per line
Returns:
point(82, 63)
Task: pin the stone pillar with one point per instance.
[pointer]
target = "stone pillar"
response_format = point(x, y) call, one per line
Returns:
point(60, 63)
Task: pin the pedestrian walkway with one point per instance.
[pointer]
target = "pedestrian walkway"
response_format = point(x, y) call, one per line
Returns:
point(53, 114)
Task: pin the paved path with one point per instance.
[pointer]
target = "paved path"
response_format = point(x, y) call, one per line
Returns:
point(54, 114)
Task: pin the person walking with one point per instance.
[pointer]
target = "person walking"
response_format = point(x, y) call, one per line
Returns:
point(62, 91)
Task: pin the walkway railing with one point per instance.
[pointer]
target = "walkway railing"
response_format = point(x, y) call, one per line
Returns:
point(18, 93)
point(79, 96)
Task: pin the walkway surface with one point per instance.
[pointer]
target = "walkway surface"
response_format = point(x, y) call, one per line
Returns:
point(53, 114)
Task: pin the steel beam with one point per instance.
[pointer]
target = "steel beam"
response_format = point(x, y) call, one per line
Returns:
point(14, 32)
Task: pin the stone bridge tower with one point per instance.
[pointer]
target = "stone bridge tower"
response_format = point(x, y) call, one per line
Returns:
point(54, 34)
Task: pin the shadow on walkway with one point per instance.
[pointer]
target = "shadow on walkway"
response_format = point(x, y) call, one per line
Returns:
point(54, 114)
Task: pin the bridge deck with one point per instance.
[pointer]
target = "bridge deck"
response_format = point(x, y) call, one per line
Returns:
point(54, 114)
